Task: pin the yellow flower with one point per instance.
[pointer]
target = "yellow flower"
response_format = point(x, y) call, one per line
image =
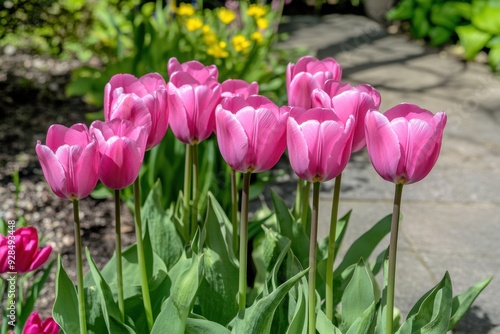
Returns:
point(225, 15)
point(209, 38)
point(185, 9)
point(262, 23)
point(256, 11)
point(193, 24)
point(206, 29)
point(218, 50)
point(257, 36)
point(240, 43)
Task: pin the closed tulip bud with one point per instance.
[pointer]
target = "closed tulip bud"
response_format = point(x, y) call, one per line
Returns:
point(251, 132)
point(404, 142)
point(121, 149)
point(195, 69)
point(69, 161)
point(348, 100)
point(319, 143)
point(192, 107)
point(236, 87)
point(28, 256)
point(35, 325)
point(142, 101)
point(306, 75)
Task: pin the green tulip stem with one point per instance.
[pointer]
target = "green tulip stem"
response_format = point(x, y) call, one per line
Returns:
point(140, 254)
point(305, 202)
point(298, 206)
point(242, 291)
point(79, 269)
point(393, 246)
point(119, 274)
point(312, 260)
point(187, 191)
point(330, 260)
point(196, 195)
point(234, 209)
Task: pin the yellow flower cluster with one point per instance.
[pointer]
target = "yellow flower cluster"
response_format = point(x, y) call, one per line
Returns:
point(257, 36)
point(185, 9)
point(218, 50)
point(194, 23)
point(241, 43)
point(262, 23)
point(225, 15)
point(257, 11)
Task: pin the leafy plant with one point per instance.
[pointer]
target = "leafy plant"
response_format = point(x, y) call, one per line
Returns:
point(474, 23)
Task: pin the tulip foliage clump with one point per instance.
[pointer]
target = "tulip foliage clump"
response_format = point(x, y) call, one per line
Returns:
point(198, 269)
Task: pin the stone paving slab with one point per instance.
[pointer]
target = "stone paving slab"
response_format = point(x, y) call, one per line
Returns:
point(451, 218)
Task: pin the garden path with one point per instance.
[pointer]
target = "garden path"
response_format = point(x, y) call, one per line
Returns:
point(451, 219)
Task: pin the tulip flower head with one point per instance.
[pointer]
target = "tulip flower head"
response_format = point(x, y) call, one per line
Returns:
point(121, 151)
point(306, 75)
point(192, 107)
point(404, 142)
point(201, 73)
point(142, 101)
point(348, 100)
point(28, 256)
point(237, 87)
point(251, 132)
point(69, 161)
point(319, 143)
point(35, 325)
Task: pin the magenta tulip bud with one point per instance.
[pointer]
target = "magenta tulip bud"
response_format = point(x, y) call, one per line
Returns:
point(308, 74)
point(251, 132)
point(236, 87)
point(69, 161)
point(319, 143)
point(195, 69)
point(404, 143)
point(192, 107)
point(143, 101)
point(27, 255)
point(348, 100)
point(35, 325)
point(121, 149)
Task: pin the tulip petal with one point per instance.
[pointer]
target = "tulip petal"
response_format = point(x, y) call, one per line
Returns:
point(383, 145)
point(297, 150)
point(59, 135)
point(40, 258)
point(52, 170)
point(232, 140)
point(87, 170)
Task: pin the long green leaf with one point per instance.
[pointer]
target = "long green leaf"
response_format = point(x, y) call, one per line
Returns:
point(109, 308)
point(65, 311)
point(360, 294)
point(203, 326)
point(365, 244)
point(257, 319)
point(463, 301)
point(291, 229)
point(178, 306)
point(432, 313)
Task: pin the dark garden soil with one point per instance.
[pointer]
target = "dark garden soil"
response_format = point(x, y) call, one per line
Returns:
point(31, 99)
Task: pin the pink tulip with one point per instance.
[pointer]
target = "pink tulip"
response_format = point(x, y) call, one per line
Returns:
point(140, 100)
point(121, 148)
point(251, 132)
point(236, 87)
point(319, 143)
point(192, 107)
point(195, 69)
point(27, 255)
point(308, 74)
point(348, 100)
point(35, 325)
point(69, 161)
point(404, 143)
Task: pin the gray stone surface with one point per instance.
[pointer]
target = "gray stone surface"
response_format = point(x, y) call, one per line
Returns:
point(452, 218)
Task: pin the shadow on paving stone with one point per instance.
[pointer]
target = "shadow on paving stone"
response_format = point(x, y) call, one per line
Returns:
point(476, 322)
